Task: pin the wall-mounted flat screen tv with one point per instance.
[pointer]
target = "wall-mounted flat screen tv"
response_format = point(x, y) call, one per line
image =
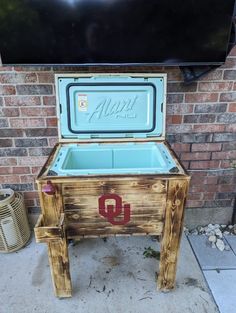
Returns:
point(162, 32)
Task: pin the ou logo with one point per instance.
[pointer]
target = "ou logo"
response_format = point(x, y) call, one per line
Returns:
point(110, 211)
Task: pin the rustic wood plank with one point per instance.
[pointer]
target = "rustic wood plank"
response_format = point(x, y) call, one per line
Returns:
point(52, 208)
point(110, 140)
point(49, 208)
point(48, 233)
point(83, 217)
point(49, 161)
point(51, 205)
point(98, 222)
point(89, 226)
point(118, 186)
point(173, 223)
point(85, 201)
point(74, 231)
point(176, 159)
point(136, 210)
point(59, 265)
point(153, 206)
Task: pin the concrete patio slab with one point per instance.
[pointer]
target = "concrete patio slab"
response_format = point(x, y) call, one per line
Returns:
point(222, 285)
point(210, 258)
point(110, 276)
point(232, 242)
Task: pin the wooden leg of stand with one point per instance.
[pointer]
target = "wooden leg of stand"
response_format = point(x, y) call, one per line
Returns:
point(59, 263)
point(172, 232)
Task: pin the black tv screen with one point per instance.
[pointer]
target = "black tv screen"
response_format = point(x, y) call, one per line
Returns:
point(167, 32)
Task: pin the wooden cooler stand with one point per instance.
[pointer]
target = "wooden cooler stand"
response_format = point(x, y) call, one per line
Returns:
point(102, 205)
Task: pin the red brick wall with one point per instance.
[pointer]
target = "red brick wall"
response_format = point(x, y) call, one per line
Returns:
point(201, 126)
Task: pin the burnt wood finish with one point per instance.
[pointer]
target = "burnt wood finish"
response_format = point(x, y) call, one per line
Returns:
point(59, 264)
point(52, 221)
point(156, 208)
point(173, 223)
point(48, 233)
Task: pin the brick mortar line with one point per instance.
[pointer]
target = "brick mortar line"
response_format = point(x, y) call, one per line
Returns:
point(24, 83)
point(27, 128)
point(32, 106)
point(194, 92)
point(32, 138)
point(212, 170)
point(25, 95)
point(2, 71)
point(28, 117)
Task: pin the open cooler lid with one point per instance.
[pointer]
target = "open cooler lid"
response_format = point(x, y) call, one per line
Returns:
point(111, 105)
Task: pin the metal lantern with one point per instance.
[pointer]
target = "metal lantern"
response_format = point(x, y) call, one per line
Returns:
point(14, 226)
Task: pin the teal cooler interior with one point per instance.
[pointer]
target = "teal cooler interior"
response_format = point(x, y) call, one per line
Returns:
point(111, 107)
point(129, 158)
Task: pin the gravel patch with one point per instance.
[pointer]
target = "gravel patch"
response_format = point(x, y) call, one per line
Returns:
point(215, 234)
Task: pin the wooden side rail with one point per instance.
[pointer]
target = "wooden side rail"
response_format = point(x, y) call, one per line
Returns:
point(49, 233)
